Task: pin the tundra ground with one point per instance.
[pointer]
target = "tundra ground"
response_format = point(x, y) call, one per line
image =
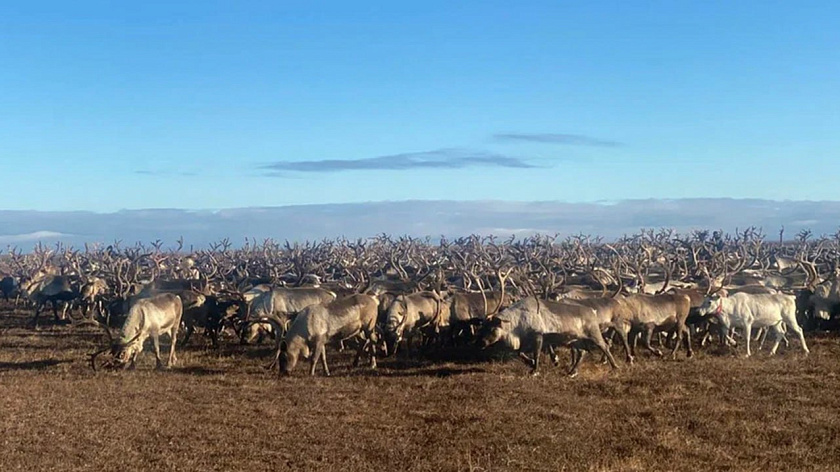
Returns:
point(221, 410)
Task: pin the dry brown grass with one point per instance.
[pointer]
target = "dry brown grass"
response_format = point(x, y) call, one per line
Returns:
point(223, 411)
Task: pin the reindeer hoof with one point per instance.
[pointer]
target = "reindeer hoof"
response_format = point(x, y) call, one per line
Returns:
point(535, 373)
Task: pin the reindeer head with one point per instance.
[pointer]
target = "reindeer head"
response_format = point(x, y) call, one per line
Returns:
point(125, 352)
point(290, 352)
point(492, 330)
point(711, 305)
point(120, 352)
point(395, 324)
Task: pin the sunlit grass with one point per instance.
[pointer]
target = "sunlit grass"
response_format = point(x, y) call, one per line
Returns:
point(221, 410)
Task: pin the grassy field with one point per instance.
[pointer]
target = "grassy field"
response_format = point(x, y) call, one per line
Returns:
point(221, 410)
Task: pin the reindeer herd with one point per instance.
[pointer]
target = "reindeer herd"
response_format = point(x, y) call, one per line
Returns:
point(384, 296)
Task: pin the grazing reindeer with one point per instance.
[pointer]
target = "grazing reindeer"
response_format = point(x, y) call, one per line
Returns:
point(410, 314)
point(317, 325)
point(160, 314)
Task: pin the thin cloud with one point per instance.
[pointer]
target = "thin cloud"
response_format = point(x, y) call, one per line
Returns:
point(438, 159)
point(556, 138)
point(164, 173)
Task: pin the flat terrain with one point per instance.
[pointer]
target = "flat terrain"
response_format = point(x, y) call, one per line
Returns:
point(221, 410)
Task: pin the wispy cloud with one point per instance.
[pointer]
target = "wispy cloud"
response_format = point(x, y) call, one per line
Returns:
point(556, 138)
point(165, 173)
point(437, 159)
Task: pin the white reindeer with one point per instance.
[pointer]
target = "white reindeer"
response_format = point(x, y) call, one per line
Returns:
point(748, 311)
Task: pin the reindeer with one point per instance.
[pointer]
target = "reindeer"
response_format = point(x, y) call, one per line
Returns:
point(44, 284)
point(90, 296)
point(280, 304)
point(468, 310)
point(411, 314)
point(317, 325)
point(208, 312)
point(611, 314)
point(9, 287)
point(646, 313)
point(532, 322)
point(159, 314)
point(745, 310)
point(821, 299)
point(53, 289)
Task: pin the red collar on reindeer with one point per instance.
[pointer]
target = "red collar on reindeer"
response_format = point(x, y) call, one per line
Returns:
point(719, 308)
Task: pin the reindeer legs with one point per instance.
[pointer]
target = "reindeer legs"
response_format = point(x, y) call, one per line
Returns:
point(623, 334)
point(324, 360)
point(682, 330)
point(538, 344)
point(173, 335)
point(577, 356)
point(319, 353)
point(158, 361)
point(648, 335)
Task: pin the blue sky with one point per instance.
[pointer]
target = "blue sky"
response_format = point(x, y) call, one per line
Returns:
point(201, 105)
